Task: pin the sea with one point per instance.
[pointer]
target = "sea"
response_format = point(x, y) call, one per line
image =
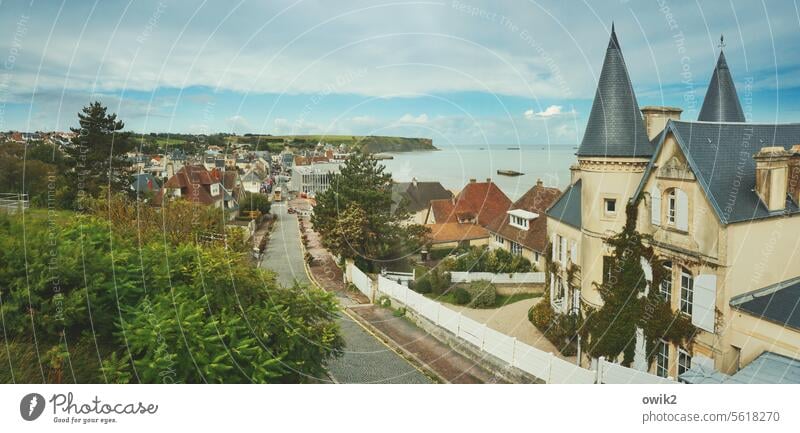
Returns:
point(454, 166)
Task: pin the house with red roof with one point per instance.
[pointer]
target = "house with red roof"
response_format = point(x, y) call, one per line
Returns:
point(522, 229)
point(462, 220)
point(198, 185)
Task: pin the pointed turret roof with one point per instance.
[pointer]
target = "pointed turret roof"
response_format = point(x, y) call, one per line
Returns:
point(615, 126)
point(721, 103)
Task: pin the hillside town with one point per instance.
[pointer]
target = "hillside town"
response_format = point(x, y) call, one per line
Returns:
point(662, 260)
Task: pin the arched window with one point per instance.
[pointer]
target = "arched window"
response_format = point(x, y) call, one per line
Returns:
point(687, 291)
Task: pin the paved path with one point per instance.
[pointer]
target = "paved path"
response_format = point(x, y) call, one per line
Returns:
point(366, 359)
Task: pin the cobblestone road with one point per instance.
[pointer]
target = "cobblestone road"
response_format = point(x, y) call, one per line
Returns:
point(366, 359)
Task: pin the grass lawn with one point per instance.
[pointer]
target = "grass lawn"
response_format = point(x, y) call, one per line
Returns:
point(499, 300)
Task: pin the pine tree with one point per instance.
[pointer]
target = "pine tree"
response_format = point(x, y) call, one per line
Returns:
point(98, 153)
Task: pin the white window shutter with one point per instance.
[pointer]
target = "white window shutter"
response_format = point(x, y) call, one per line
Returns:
point(648, 273)
point(655, 211)
point(563, 250)
point(573, 252)
point(639, 351)
point(704, 302)
point(553, 248)
point(552, 286)
point(682, 210)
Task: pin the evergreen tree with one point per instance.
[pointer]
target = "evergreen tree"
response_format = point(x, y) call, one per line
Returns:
point(361, 194)
point(98, 153)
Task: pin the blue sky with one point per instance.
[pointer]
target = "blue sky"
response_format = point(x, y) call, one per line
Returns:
point(460, 72)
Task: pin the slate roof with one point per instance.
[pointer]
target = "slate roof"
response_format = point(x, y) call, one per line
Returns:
point(615, 126)
point(721, 103)
point(537, 200)
point(768, 367)
point(721, 157)
point(418, 195)
point(481, 201)
point(567, 209)
point(144, 182)
point(779, 303)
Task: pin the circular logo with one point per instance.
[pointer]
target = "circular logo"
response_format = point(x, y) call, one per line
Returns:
point(31, 406)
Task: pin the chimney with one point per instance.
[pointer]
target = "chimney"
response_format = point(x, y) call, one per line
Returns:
point(488, 180)
point(473, 180)
point(414, 181)
point(539, 182)
point(655, 118)
point(772, 176)
point(793, 186)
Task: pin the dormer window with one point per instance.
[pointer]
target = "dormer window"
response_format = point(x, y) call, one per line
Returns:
point(214, 189)
point(520, 218)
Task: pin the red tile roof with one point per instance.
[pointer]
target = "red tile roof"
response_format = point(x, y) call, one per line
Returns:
point(455, 232)
point(536, 200)
point(479, 201)
point(194, 182)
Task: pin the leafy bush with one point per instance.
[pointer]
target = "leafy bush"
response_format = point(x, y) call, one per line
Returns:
point(434, 280)
point(254, 201)
point(461, 296)
point(422, 286)
point(498, 261)
point(482, 294)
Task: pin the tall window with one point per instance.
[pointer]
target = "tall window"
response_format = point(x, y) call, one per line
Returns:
point(672, 206)
point(662, 360)
point(687, 291)
point(684, 361)
point(666, 283)
point(516, 248)
point(559, 288)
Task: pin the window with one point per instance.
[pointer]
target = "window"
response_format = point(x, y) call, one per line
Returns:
point(611, 206)
point(498, 239)
point(672, 206)
point(684, 361)
point(516, 248)
point(536, 257)
point(662, 359)
point(519, 222)
point(558, 247)
point(687, 291)
point(666, 283)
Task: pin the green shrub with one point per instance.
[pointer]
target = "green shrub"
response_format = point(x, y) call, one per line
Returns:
point(541, 315)
point(422, 286)
point(482, 294)
point(461, 296)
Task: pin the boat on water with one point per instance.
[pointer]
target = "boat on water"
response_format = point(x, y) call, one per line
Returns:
point(509, 173)
point(513, 148)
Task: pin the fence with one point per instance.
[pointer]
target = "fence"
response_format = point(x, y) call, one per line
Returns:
point(541, 364)
point(515, 278)
point(361, 281)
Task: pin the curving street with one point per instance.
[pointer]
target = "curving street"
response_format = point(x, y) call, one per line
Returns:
point(366, 359)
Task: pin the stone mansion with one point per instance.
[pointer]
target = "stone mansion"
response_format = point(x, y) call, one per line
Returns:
point(718, 197)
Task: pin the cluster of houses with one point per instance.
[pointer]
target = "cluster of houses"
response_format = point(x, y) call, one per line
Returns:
point(480, 214)
point(56, 138)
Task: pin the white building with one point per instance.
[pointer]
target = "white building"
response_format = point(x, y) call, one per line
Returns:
point(313, 179)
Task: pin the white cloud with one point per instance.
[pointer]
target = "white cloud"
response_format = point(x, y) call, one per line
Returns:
point(239, 123)
point(419, 120)
point(551, 111)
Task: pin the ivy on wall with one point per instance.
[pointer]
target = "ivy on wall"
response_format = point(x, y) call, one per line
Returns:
point(610, 331)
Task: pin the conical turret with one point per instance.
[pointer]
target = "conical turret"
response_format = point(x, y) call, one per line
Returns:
point(721, 103)
point(615, 127)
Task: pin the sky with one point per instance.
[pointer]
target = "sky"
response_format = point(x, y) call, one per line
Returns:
point(459, 72)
